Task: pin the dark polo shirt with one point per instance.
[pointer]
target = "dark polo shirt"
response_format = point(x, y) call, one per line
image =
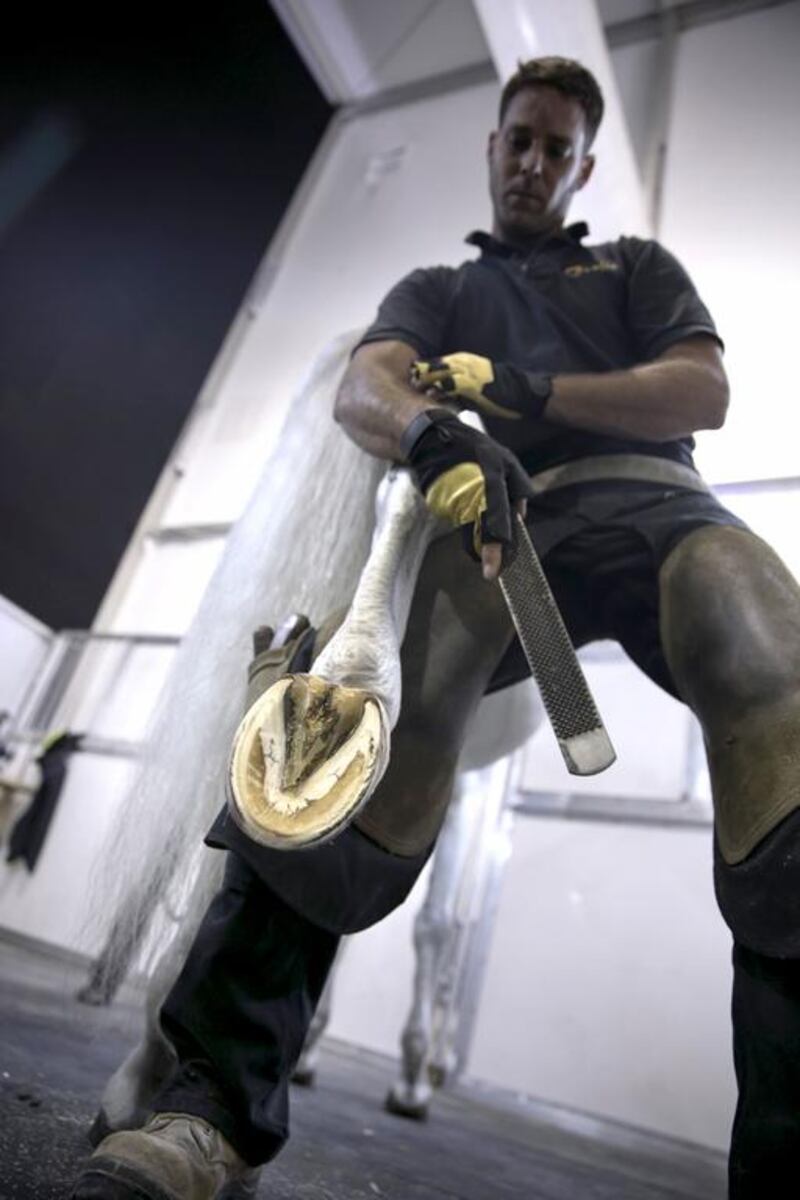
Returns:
point(558, 308)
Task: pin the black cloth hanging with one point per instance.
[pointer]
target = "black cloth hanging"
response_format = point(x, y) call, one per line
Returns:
point(28, 835)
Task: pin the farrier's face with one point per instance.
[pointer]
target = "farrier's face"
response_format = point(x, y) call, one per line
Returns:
point(537, 161)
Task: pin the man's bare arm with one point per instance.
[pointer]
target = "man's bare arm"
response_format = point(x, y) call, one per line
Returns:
point(683, 390)
point(375, 402)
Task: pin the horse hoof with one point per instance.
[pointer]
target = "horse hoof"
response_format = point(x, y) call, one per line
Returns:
point(414, 1110)
point(306, 757)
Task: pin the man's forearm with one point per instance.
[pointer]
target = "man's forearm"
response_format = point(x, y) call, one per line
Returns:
point(375, 404)
point(654, 402)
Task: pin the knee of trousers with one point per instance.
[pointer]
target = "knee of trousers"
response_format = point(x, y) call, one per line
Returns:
point(730, 628)
point(759, 897)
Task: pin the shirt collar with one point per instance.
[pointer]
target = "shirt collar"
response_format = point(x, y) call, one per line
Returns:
point(489, 244)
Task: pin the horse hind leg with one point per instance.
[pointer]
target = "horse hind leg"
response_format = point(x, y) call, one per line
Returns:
point(434, 929)
point(410, 1095)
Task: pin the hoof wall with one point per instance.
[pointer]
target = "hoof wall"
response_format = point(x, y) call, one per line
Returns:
point(305, 1077)
point(403, 1108)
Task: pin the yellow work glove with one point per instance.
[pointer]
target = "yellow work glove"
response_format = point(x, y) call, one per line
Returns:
point(496, 389)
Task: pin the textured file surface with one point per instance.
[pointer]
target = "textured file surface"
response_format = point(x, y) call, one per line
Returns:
point(551, 656)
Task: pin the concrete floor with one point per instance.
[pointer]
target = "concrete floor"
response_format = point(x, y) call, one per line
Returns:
point(56, 1054)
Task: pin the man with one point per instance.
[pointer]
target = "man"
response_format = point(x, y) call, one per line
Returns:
point(591, 367)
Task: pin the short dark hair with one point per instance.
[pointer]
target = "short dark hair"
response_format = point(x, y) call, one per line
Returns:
point(566, 76)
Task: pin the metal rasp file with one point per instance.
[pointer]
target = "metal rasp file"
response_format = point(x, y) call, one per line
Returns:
point(568, 702)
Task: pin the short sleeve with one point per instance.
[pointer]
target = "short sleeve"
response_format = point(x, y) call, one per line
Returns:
point(416, 311)
point(663, 304)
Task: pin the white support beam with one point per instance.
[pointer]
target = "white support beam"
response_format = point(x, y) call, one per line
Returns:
point(614, 201)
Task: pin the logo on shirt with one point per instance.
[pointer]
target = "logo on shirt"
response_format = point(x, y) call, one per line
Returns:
point(579, 269)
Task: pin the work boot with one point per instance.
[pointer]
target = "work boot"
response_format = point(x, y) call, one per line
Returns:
point(173, 1157)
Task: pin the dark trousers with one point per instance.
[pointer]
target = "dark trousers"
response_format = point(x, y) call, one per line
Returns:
point(240, 1010)
point(765, 1144)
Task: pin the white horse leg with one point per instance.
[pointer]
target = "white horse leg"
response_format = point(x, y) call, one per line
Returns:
point(488, 850)
point(311, 751)
point(433, 930)
point(503, 722)
point(481, 793)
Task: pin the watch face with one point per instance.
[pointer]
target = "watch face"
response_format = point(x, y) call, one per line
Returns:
point(542, 386)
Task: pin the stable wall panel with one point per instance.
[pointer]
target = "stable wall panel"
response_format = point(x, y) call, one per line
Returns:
point(648, 728)
point(167, 585)
point(732, 193)
point(53, 904)
point(398, 188)
point(607, 988)
point(114, 689)
point(637, 68)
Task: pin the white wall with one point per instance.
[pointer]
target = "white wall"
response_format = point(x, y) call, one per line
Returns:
point(24, 646)
point(375, 214)
point(616, 998)
point(110, 696)
point(730, 211)
point(606, 989)
point(51, 904)
point(637, 70)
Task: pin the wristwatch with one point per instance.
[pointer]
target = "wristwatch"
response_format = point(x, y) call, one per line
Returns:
point(541, 387)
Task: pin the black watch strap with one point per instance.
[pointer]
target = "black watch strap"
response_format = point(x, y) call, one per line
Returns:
point(541, 387)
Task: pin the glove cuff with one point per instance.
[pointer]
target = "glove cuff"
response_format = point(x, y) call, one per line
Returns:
point(421, 423)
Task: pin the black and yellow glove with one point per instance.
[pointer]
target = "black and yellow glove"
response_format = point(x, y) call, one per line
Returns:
point(465, 476)
point(497, 389)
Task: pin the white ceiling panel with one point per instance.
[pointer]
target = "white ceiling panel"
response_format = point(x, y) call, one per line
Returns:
point(614, 11)
point(357, 49)
point(360, 48)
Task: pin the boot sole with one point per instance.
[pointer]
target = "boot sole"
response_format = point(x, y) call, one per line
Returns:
point(241, 1190)
point(110, 1179)
point(235, 1191)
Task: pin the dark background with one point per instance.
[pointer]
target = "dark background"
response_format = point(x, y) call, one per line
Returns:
point(182, 135)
